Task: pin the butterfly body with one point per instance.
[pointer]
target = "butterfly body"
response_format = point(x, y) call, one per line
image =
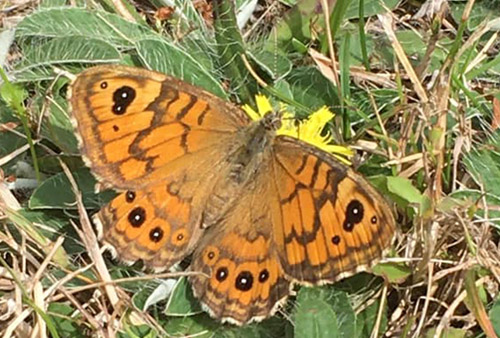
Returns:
point(257, 210)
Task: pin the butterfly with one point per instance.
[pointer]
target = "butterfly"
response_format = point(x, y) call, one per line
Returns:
point(259, 212)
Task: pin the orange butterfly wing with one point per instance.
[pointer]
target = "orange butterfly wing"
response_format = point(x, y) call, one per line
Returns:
point(133, 123)
point(245, 280)
point(163, 141)
point(330, 222)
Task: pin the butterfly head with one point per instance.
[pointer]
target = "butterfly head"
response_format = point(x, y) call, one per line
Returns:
point(272, 120)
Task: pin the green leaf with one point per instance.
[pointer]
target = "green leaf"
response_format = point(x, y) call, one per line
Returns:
point(10, 142)
point(272, 327)
point(70, 22)
point(470, 200)
point(141, 297)
point(404, 188)
point(480, 12)
point(193, 326)
point(395, 273)
point(274, 64)
point(52, 3)
point(168, 58)
point(366, 320)
point(484, 165)
point(337, 16)
point(230, 51)
point(492, 64)
point(56, 193)
point(299, 46)
point(29, 222)
point(371, 8)
point(182, 301)
point(323, 312)
point(57, 125)
point(295, 26)
point(494, 314)
point(39, 58)
point(322, 93)
point(449, 332)
point(140, 331)
point(66, 320)
point(13, 95)
point(70, 49)
point(345, 62)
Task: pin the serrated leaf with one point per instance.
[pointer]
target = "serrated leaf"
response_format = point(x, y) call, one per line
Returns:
point(230, 49)
point(322, 93)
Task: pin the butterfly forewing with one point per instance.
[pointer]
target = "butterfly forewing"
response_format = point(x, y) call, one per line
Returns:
point(133, 123)
point(330, 222)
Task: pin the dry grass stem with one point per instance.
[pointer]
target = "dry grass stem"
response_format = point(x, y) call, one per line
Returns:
point(90, 240)
point(387, 22)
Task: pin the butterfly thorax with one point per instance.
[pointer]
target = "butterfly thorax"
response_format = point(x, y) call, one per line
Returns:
point(251, 150)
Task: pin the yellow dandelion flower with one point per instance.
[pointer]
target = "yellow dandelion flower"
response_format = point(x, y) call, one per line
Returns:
point(263, 107)
point(308, 130)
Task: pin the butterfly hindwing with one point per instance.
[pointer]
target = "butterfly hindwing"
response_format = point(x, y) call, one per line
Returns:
point(241, 277)
point(156, 225)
